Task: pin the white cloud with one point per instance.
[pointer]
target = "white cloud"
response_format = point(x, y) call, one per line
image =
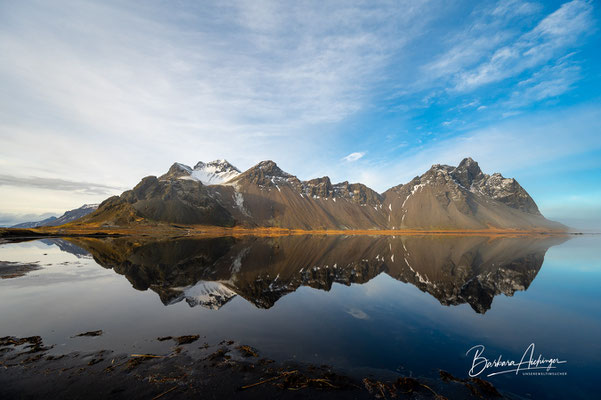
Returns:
point(497, 44)
point(487, 29)
point(551, 81)
point(514, 7)
point(57, 184)
point(353, 156)
point(106, 92)
point(554, 33)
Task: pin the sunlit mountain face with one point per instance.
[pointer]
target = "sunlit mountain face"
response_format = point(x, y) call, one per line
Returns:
point(443, 198)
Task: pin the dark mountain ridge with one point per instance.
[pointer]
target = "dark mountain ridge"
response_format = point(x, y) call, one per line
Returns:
point(443, 198)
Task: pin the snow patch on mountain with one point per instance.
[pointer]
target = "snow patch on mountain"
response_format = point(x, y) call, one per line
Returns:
point(214, 172)
point(239, 199)
point(211, 173)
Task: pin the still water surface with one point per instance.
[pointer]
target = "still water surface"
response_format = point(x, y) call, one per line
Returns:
point(410, 305)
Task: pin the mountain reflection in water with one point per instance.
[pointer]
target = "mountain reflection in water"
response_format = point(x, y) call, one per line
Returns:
point(210, 272)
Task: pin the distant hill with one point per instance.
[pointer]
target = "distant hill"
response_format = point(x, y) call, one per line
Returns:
point(68, 216)
point(216, 193)
point(27, 225)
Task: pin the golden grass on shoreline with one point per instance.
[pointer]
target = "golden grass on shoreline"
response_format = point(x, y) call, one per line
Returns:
point(166, 230)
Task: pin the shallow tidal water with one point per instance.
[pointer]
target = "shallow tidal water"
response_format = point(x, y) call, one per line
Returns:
point(409, 305)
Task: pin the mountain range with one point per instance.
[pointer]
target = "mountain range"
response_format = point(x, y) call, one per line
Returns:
point(68, 216)
point(218, 194)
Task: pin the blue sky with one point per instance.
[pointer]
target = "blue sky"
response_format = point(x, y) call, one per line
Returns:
point(96, 95)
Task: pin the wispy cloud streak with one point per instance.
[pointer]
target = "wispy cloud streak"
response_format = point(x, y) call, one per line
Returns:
point(555, 32)
point(58, 184)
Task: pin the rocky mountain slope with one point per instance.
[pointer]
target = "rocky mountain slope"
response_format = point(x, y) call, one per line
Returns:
point(68, 216)
point(216, 193)
point(448, 197)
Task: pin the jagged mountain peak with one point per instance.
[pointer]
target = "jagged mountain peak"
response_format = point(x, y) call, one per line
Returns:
point(176, 171)
point(470, 177)
point(266, 173)
point(180, 166)
point(318, 187)
point(467, 161)
point(324, 181)
point(467, 172)
point(220, 165)
point(271, 168)
point(211, 173)
point(440, 167)
point(322, 188)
